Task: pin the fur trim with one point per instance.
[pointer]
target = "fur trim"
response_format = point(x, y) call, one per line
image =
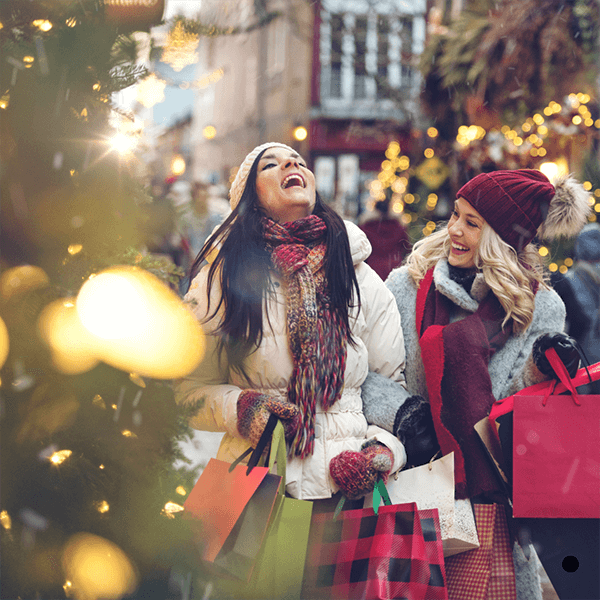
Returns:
point(568, 212)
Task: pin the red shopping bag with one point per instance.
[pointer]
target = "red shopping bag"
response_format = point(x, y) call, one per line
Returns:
point(231, 508)
point(556, 448)
point(432, 534)
point(488, 572)
point(380, 556)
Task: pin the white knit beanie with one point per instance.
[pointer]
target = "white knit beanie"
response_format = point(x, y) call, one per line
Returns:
point(239, 183)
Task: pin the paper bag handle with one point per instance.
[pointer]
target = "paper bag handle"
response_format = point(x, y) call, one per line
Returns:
point(563, 375)
point(256, 453)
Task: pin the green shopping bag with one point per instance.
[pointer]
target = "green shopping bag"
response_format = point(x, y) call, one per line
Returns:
point(279, 568)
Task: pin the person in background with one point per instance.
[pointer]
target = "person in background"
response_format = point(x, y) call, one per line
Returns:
point(388, 237)
point(477, 316)
point(294, 319)
point(583, 279)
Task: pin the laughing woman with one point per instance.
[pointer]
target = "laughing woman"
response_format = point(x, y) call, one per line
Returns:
point(477, 315)
point(294, 320)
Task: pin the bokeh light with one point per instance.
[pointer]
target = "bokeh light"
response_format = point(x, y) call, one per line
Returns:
point(209, 132)
point(178, 165)
point(72, 347)
point(4, 343)
point(140, 324)
point(96, 569)
point(300, 133)
point(24, 278)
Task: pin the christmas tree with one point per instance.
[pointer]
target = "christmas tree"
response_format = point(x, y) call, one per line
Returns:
point(90, 503)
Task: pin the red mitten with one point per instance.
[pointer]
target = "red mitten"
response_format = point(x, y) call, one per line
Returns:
point(254, 409)
point(355, 473)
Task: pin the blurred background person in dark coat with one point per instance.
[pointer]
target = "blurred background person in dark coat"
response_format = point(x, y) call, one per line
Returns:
point(388, 237)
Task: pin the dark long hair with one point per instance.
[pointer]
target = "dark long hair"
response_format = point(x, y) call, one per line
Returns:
point(243, 263)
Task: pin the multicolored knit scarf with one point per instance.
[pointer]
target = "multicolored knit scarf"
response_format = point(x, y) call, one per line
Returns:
point(316, 333)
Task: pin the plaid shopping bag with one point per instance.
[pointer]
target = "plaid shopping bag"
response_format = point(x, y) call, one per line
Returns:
point(487, 573)
point(434, 549)
point(365, 555)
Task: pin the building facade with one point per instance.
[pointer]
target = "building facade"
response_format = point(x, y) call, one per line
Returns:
point(346, 71)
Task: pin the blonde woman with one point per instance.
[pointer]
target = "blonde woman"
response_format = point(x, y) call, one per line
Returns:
point(477, 315)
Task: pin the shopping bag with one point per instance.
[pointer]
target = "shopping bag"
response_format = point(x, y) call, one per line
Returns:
point(371, 556)
point(432, 486)
point(230, 507)
point(432, 534)
point(556, 452)
point(279, 566)
point(490, 438)
point(486, 573)
point(501, 413)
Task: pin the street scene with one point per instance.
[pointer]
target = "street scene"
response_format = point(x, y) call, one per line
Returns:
point(300, 299)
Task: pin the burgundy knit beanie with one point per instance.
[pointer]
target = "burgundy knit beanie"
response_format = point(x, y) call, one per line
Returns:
point(514, 203)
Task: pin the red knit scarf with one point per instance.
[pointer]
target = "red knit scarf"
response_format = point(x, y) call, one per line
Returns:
point(456, 357)
point(316, 333)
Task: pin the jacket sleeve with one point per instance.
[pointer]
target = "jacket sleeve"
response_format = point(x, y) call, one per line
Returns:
point(384, 389)
point(548, 317)
point(208, 384)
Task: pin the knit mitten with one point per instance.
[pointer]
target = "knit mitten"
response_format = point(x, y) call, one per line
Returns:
point(566, 348)
point(413, 426)
point(355, 473)
point(254, 409)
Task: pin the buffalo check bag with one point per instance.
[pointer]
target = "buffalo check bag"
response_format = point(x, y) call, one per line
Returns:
point(371, 556)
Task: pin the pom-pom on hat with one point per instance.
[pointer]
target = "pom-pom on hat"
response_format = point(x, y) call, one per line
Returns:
point(522, 203)
point(241, 177)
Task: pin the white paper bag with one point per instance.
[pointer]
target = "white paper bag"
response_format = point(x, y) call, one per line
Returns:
point(432, 486)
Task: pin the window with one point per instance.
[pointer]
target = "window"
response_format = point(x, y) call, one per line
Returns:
point(364, 54)
point(360, 57)
point(383, 52)
point(337, 38)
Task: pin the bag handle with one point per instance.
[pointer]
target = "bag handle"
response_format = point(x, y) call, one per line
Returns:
point(279, 454)
point(506, 405)
point(563, 375)
point(256, 453)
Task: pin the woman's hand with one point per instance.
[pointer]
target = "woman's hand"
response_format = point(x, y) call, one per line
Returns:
point(414, 427)
point(566, 348)
point(356, 473)
point(254, 409)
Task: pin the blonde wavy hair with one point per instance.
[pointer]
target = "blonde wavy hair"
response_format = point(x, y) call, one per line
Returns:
point(512, 277)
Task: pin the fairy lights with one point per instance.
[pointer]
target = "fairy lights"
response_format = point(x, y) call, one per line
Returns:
point(59, 457)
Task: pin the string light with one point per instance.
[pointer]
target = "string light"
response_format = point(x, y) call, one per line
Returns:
point(5, 520)
point(59, 457)
point(42, 24)
point(170, 509)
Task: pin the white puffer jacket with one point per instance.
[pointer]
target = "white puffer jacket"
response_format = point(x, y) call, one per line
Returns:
point(380, 347)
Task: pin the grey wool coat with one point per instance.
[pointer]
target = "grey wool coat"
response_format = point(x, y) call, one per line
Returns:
point(511, 368)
